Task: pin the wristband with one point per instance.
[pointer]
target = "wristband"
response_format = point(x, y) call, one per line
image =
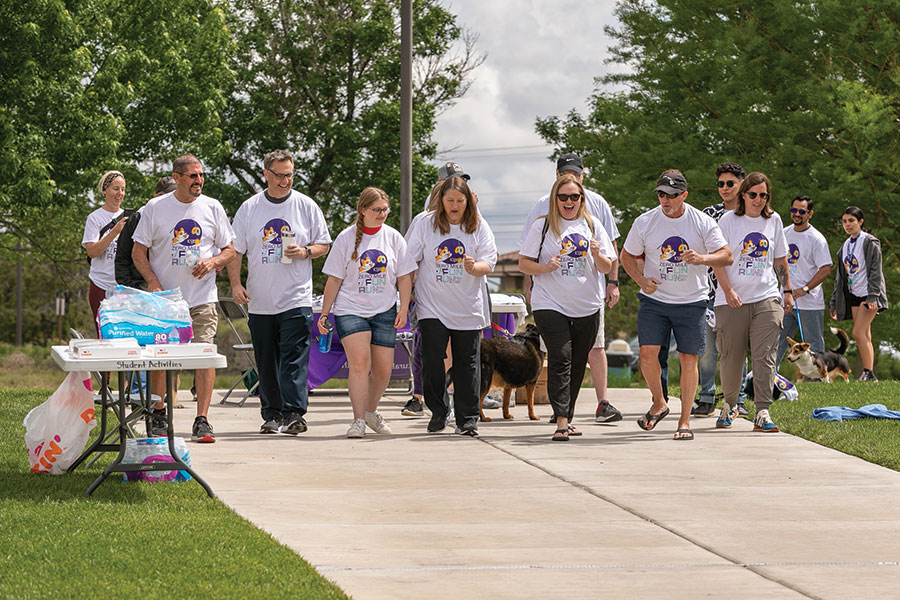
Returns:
point(614, 282)
point(308, 253)
point(791, 292)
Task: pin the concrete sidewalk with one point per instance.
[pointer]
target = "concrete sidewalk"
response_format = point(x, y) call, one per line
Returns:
point(616, 513)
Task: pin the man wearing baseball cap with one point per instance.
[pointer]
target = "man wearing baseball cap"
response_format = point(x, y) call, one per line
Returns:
point(597, 206)
point(678, 243)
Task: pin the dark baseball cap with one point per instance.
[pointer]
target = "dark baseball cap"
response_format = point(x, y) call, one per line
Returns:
point(671, 182)
point(447, 170)
point(569, 162)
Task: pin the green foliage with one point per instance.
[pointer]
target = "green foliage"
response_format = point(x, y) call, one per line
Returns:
point(807, 92)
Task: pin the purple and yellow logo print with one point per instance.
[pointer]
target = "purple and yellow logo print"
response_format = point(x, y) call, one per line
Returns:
point(851, 264)
point(450, 252)
point(187, 232)
point(373, 262)
point(574, 245)
point(755, 245)
point(271, 232)
point(672, 249)
point(793, 253)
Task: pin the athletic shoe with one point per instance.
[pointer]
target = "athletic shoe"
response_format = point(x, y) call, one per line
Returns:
point(703, 409)
point(376, 422)
point(437, 424)
point(607, 413)
point(357, 428)
point(202, 431)
point(867, 375)
point(742, 410)
point(158, 425)
point(726, 417)
point(293, 424)
point(271, 426)
point(469, 430)
point(763, 422)
point(413, 408)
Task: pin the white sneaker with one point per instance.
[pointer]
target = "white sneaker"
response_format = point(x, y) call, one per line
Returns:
point(357, 428)
point(376, 422)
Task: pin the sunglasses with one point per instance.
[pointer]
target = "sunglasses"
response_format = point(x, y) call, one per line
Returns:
point(568, 197)
point(799, 211)
point(753, 195)
point(281, 176)
point(381, 211)
point(660, 194)
point(730, 183)
point(194, 176)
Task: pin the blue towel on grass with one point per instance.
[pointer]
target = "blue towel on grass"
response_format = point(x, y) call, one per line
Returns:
point(841, 413)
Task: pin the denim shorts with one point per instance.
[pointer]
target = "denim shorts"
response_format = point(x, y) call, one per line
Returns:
point(687, 321)
point(381, 326)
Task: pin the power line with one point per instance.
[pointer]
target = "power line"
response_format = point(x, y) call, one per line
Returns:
point(495, 148)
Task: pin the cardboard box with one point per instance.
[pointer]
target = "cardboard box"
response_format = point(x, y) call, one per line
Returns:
point(181, 350)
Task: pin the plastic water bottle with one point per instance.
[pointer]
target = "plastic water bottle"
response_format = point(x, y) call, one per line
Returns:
point(325, 340)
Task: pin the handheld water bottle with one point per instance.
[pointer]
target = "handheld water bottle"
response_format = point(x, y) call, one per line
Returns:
point(325, 340)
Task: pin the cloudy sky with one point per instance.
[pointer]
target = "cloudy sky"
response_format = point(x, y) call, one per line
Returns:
point(542, 58)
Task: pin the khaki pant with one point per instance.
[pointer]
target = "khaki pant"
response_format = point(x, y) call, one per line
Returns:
point(760, 323)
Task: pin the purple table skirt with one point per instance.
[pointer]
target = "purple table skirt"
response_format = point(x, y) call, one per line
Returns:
point(333, 364)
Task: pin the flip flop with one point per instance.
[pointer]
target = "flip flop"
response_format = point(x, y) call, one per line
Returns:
point(574, 432)
point(683, 434)
point(560, 435)
point(652, 420)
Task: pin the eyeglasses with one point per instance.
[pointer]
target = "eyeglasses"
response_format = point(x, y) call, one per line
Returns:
point(730, 183)
point(799, 211)
point(661, 193)
point(568, 197)
point(281, 176)
point(753, 195)
point(381, 211)
point(194, 176)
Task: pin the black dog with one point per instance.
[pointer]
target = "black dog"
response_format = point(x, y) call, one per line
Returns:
point(513, 363)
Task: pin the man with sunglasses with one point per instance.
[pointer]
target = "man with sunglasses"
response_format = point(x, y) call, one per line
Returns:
point(678, 243)
point(175, 246)
point(279, 292)
point(729, 176)
point(598, 207)
point(809, 263)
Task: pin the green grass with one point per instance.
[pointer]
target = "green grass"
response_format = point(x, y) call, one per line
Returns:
point(129, 540)
point(874, 440)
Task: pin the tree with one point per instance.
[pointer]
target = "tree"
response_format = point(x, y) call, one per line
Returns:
point(322, 80)
point(807, 92)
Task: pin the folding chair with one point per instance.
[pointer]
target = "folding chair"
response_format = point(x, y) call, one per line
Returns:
point(235, 312)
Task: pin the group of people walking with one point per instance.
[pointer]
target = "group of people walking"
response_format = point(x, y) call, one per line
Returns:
point(735, 257)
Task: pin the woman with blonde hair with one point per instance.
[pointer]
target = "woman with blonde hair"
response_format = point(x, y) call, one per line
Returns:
point(101, 231)
point(564, 251)
point(451, 250)
point(365, 270)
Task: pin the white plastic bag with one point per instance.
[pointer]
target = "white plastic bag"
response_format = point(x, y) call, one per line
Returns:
point(147, 450)
point(57, 430)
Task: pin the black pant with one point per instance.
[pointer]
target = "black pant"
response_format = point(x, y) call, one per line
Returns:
point(281, 347)
point(568, 341)
point(465, 346)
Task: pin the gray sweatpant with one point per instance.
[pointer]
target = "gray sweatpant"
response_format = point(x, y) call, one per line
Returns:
point(760, 324)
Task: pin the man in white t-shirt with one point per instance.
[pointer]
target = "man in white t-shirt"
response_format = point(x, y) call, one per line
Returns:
point(279, 293)
point(678, 243)
point(809, 263)
point(175, 246)
point(598, 207)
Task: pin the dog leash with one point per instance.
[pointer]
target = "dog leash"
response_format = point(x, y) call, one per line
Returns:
point(799, 324)
point(509, 335)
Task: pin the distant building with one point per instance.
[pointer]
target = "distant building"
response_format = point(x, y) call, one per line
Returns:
point(506, 276)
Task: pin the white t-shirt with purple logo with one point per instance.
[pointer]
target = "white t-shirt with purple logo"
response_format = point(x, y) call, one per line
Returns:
point(807, 252)
point(663, 240)
point(103, 266)
point(369, 283)
point(276, 287)
point(854, 263)
point(444, 290)
point(574, 288)
point(755, 244)
point(178, 234)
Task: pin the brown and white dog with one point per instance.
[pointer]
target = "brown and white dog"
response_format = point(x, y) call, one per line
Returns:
point(827, 365)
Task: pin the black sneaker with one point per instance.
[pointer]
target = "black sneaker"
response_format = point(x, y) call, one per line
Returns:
point(437, 424)
point(703, 409)
point(606, 413)
point(158, 425)
point(202, 431)
point(293, 424)
point(469, 430)
point(867, 375)
point(413, 408)
point(742, 410)
point(271, 426)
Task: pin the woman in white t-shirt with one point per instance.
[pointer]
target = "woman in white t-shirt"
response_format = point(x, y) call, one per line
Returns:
point(99, 241)
point(364, 271)
point(451, 250)
point(564, 251)
point(748, 300)
point(859, 289)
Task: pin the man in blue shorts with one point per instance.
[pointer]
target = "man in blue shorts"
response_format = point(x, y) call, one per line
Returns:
point(678, 243)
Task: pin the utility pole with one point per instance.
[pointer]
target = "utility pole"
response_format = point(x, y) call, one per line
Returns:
point(19, 316)
point(406, 23)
